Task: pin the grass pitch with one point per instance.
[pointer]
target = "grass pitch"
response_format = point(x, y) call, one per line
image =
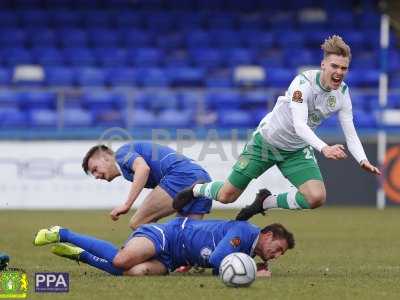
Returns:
point(340, 253)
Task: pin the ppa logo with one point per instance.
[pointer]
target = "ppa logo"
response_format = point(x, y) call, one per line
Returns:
point(51, 282)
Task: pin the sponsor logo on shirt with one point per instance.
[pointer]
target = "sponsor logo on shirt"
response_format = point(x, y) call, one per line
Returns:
point(297, 97)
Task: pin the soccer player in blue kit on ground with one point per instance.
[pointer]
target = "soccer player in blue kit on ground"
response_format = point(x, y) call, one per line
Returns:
point(156, 249)
point(149, 165)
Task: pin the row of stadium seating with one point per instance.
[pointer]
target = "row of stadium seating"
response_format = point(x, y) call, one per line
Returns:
point(172, 77)
point(193, 5)
point(75, 117)
point(252, 38)
point(183, 20)
point(155, 108)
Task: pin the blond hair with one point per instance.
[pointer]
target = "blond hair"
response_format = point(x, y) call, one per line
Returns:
point(336, 45)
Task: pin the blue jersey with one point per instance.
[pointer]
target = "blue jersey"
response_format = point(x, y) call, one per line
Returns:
point(160, 159)
point(205, 243)
point(169, 170)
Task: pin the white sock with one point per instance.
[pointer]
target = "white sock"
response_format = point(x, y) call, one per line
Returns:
point(196, 189)
point(270, 202)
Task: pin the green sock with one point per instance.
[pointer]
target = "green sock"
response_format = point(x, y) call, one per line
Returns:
point(292, 200)
point(209, 189)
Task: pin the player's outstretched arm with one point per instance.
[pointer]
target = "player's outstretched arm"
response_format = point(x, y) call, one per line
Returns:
point(142, 171)
point(367, 166)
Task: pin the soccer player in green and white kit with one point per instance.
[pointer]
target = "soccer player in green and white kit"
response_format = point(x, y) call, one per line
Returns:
point(286, 138)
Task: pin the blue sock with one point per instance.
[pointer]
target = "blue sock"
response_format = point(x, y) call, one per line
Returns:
point(100, 248)
point(99, 263)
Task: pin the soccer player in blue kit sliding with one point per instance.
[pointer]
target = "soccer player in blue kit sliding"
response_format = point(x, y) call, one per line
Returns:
point(149, 165)
point(156, 249)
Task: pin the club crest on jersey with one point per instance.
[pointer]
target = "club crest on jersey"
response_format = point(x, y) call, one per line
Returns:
point(235, 242)
point(331, 101)
point(297, 97)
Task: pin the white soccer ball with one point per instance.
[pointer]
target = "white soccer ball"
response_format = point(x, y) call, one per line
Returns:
point(238, 270)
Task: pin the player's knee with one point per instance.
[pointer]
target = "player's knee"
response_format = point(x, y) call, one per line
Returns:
point(316, 198)
point(121, 262)
point(226, 196)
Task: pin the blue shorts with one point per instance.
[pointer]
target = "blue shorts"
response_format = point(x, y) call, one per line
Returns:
point(182, 177)
point(161, 235)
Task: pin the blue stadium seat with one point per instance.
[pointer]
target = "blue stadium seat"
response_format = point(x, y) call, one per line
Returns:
point(152, 77)
point(59, 76)
point(12, 38)
point(121, 77)
point(238, 56)
point(197, 39)
point(170, 41)
point(393, 100)
point(206, 57)
point(28, 18)
point(175, 118)
point(37, 100)
point(72, 38)
point(289, 39)
point(87, 76)
point(8, 19)
point(363, 78)
point(41, 37)
point(236, 118)
point(364, 119)
point(369, 20)
point(259, 98)
point(65, 18)
point(145, 57)
point(225, 39)
point(133, 38)
point(221, 79)
point(295, 58)
point(48, 56)
point(98, 18)
point(103, 38)
point(225, 99)
point(279, 77)
point(257, 39)
point(129, 19)
point(282, 20)
point(364, 60)
point(43, 118)
point(186, 76)
point(12, 118)
point(111, 57)
point(16, 56)
point(76, 117)
point(341, 19)
point(143, 118)
point(5, 77)
point(271, 59)
point(9, 99)
point(110, 118)
point(177, 58)
point(157, 100)
point(189, 99)
point(102, 100)
point(222, 21)
point(79, 57)
point(160, 22)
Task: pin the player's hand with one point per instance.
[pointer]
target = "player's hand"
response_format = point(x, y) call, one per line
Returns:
point(334, 152)
point(366, 165)
point(262, 270)
point(120, 210)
